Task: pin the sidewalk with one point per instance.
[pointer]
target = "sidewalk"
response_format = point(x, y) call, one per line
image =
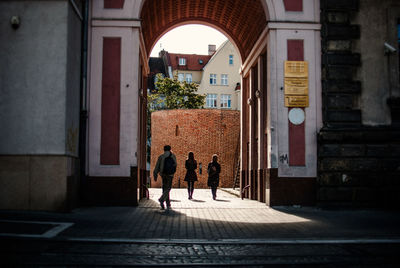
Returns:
point(202, 219)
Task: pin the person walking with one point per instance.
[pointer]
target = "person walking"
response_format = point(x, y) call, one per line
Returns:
point(191, 176)
point(213, 170)
point(166, 167)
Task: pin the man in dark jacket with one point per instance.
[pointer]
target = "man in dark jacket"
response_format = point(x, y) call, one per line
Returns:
point(213, 170)
point(166, 166)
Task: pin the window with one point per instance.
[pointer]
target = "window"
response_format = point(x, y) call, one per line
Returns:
point(225, 101)
point(182, 61)
point(230, 59)
point(181, 77)
point(224, 79)
point(213, 79)
point(189, 78)
point(211, 100)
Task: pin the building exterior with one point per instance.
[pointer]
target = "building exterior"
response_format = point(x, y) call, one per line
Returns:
point(185, 67)
point(156, 66)
point(319, 98)
point(221, 79)
point(40, 89)
point(358, 146)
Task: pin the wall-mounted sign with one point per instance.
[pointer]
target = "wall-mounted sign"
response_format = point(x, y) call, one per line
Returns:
point(296, 69)
point(296, 101)
point(296, 84)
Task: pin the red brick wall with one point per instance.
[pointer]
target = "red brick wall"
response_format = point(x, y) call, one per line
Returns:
point(204, 132)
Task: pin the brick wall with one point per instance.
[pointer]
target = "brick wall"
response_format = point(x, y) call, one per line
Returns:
point(204, 132)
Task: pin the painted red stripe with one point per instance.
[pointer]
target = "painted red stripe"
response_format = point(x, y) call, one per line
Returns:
point(293, 5)
point(114, 3)
point(110, 101)
point(295, 50)
point(297, 137)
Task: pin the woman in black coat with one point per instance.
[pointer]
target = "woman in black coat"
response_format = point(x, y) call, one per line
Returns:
point(213, 170)
point(191, 176)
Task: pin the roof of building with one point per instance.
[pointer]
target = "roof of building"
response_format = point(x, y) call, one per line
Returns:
point(194, 62)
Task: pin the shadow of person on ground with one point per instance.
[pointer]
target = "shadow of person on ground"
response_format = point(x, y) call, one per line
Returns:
point(197, 200)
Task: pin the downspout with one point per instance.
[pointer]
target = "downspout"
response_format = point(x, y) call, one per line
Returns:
point(83, 104)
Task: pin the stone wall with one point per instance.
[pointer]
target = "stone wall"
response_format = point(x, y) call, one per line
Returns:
point(48, 183)
point(358, 162)
point(204, 132)
point(40, 68)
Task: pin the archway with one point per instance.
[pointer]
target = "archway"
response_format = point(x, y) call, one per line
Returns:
point(241, 21)
point(279, 158)
point(158, 17)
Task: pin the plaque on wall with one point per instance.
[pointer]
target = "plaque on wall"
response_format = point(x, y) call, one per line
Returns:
point(296, 69)
point(296, 86)
point(296, 101)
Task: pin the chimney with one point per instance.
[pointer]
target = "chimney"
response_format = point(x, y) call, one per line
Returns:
point(211, 49)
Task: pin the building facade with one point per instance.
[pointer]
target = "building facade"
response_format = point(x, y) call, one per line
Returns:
point(40, 104)
point(221, 79)
point(185, 67)
point(319, 98)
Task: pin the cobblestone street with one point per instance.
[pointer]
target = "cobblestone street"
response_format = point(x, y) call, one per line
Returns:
point(202, 231)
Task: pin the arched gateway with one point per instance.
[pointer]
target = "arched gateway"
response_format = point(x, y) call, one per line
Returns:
point(281, 108)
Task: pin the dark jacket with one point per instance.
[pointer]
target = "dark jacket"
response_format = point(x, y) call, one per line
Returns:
point(191, 167)
point(213, 176)
point(160, 164)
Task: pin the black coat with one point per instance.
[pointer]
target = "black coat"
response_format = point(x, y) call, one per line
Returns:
point(213, 175)
point(190, 170)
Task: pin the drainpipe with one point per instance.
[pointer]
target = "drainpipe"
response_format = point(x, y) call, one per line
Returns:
point(83, 101)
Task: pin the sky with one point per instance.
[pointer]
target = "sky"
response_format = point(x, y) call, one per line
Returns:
point(189, 39)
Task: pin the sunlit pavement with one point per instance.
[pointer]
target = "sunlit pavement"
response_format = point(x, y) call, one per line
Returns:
point(200, 231)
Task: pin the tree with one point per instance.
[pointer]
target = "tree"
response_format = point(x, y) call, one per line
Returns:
point(173, 94)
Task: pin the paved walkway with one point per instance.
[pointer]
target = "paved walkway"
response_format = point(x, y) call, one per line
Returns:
point(204, 219)
point(200, 232)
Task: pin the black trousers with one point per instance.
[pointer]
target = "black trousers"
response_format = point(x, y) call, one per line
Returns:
point(214, 191)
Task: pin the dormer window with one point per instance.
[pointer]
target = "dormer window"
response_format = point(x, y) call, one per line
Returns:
point(182, 61)
point(200, 61)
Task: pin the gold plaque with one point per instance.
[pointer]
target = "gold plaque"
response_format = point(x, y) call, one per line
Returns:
point(296, 86)
point(296, 69)
point(296, 101)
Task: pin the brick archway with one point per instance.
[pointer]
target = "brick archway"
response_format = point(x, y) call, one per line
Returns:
point(242, 21)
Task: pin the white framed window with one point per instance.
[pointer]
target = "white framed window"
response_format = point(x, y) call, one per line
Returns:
point(224, 79)
point(230, 59)
point(182, 61)
point(225, 101)
point(189, 78)
point(211, 100)
point(181, 77)
point(213, 79)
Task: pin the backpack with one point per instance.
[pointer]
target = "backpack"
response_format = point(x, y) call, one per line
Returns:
point(169, 165)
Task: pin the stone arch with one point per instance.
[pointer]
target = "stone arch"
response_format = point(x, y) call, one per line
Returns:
point(241, 21)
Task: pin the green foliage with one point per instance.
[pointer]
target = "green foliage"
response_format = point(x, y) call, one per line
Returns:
point(173, 94)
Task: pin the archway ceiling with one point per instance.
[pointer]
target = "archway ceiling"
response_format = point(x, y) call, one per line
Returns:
point(242, 20)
